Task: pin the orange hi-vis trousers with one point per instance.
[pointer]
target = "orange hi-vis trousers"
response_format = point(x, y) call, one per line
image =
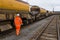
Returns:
point(18, 30)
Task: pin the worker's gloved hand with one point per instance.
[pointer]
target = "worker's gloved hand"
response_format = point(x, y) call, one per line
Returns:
point(22, 24)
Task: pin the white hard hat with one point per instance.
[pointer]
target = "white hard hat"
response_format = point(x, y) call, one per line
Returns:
point(18, 14)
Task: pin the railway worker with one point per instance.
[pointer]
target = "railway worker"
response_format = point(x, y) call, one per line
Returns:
point(18, 23)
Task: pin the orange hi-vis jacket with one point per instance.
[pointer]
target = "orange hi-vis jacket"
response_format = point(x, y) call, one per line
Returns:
point(18, 21)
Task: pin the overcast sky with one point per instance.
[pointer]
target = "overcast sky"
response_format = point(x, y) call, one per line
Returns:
point(47, 4)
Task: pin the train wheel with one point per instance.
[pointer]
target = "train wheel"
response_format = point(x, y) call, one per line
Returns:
point(31, 21)
point(46, 14)
point(25, 22)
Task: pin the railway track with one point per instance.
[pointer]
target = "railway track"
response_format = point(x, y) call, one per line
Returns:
point(50, 32)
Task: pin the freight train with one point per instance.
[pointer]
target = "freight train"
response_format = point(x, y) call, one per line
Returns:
point(9, 9)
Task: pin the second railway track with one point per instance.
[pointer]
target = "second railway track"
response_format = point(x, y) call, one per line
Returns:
point(50, 32)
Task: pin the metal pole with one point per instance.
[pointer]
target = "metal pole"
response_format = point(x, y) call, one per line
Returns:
point(53, 9)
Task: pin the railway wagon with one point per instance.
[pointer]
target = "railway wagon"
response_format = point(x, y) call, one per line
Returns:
point(37, 12)
point(49, 13)
point(43, 12)
point(9, 9)
point(34, 11)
